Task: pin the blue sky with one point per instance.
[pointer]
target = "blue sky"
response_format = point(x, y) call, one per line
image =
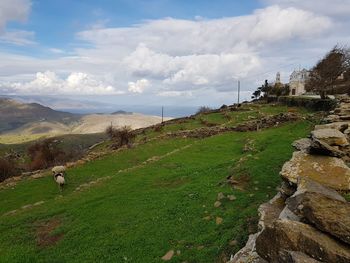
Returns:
point(56, 22)
point(161, 51)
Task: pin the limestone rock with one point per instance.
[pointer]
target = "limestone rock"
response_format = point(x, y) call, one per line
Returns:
point(327, 214)
point(219, 220)
point(302, 144)
point(332, 118)
point(295, 257)
point(286, 213)
point(168, 255)
point(323, 148)
point(217, 204)
point(270, 211)
point(295, 236)
point(248, 253)
point(307, 185)
point(340, 126)
point(330, 136)
point(329, 171)
point(220, 196)
point(287, 189)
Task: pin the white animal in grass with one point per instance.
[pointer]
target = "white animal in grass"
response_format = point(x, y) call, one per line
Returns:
point(59, 173)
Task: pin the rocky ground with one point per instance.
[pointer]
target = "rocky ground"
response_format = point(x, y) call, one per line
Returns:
point(309, 219)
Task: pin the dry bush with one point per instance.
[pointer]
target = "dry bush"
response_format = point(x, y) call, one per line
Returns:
point(203, 109)
point(120, 136)
point(7, 169)
point(47, 153)
point(158, 128)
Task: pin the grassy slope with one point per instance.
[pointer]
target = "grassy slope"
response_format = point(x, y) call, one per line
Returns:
point(138, 215)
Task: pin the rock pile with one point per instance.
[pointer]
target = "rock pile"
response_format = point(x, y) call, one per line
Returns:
point(309, 220)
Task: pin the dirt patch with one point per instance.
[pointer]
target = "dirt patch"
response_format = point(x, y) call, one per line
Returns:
point(45, 235)
point(240, 181)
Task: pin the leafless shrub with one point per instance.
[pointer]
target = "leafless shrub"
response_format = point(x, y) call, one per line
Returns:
point(120, 136)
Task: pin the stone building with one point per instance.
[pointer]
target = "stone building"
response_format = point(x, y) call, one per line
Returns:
point(297, 82)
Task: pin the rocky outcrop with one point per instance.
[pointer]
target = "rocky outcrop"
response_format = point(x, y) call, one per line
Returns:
point(309, 220)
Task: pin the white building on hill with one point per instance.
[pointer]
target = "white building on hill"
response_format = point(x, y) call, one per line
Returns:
point(297, 82)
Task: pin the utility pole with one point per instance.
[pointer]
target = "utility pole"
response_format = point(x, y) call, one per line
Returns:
point(239, 90)
point(162, 113)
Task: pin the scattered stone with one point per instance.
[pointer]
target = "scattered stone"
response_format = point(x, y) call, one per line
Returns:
point(27, 206)
point(330, 171)
point(302, 144)
point(207, 218)
point(178, 252)
point(220, 196)
point(296, 236)
point(330, 136)
point(168, 255)
point(233, 242)
point(219, 220)
point(231, 197)
point(200, 247)
point(217, 204)
point(39, 203)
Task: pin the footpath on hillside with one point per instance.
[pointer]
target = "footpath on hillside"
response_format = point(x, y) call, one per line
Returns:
point(309, 218)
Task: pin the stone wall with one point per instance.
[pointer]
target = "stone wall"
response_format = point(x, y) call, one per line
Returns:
point(309, 220)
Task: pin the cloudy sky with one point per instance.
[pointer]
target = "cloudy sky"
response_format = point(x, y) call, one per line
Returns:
point(155, 52)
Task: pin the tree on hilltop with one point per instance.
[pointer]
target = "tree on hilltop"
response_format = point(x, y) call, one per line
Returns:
point(325, 73)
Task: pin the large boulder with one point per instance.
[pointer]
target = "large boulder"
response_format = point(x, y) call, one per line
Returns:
point(330, 136)
point(325, 213)
point(296, 236)
point(329, 171)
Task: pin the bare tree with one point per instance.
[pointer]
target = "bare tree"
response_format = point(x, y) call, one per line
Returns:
point(325, 73)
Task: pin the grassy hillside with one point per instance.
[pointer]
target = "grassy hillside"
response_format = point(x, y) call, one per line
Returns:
point(137, 204)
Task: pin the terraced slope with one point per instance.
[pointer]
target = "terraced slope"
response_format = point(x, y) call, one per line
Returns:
point(155, 199)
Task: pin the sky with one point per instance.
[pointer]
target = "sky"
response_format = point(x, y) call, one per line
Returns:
point(161, 52)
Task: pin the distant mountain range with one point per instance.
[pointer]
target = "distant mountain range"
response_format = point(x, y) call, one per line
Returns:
point(33, 118)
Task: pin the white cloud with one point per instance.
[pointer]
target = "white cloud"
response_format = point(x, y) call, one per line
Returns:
point(13, 10)
point(56, 50)
point(183, 57)
point(48, 83)
point(18, 37)
point(139, 86)
point(175, 93)
point(334, 7)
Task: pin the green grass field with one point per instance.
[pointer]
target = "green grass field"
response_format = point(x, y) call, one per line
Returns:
point(137, 210)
